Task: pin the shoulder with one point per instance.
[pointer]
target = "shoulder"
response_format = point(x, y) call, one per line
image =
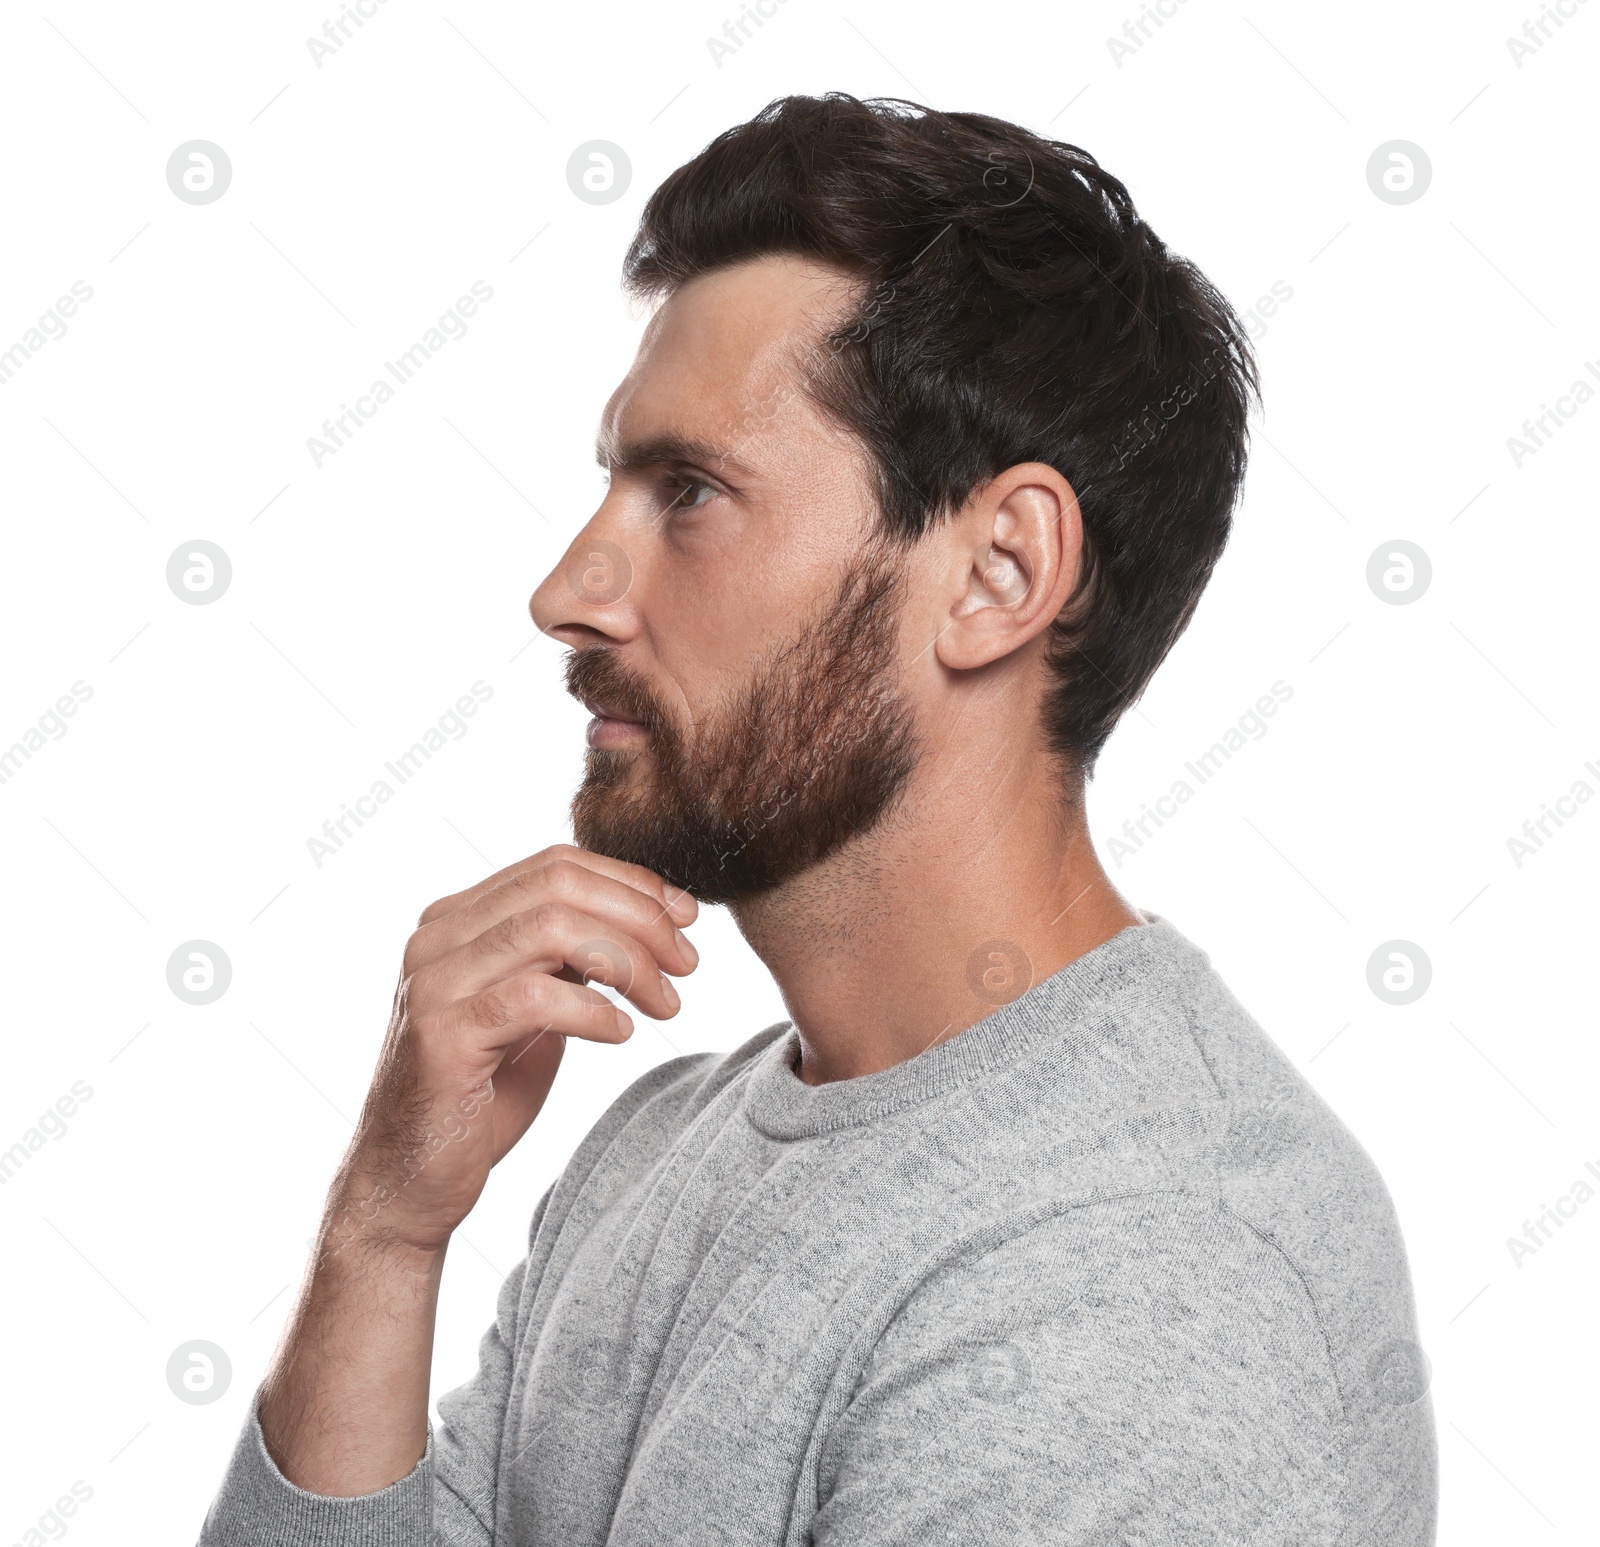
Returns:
point(1191, 1089)
point(1123, 1278)
point(1147, 1359)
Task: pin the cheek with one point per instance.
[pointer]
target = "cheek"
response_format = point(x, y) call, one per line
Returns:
point(708, 629)
point(715, 621)
point(727, 591)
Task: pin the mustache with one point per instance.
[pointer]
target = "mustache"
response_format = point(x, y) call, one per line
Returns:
point(597, 674)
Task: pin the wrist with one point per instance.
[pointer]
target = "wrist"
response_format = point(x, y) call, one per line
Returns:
point(363, 1229)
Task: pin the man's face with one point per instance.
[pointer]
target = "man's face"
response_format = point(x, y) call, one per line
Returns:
point(738, 630)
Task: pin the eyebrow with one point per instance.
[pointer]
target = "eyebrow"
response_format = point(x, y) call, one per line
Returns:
point(656, 450)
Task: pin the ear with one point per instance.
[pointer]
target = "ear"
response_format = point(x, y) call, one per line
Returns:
point(1017, 549)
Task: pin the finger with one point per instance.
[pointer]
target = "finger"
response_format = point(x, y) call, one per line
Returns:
point(528, 1007)
point(562, 881)
point(674, 899)
point(553, 937)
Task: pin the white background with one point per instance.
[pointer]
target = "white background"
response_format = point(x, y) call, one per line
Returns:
point(371, 592)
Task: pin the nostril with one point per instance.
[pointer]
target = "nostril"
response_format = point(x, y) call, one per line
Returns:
point(578, 635)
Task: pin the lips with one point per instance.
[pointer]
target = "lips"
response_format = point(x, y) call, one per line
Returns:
point(625, 717)
point(603, 711)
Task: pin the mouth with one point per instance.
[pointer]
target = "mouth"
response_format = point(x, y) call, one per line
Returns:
point(610, 729)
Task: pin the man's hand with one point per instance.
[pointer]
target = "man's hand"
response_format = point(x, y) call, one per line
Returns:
point(494, 980)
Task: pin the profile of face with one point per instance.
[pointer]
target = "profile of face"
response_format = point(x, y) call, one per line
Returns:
point(755, 652)
point(809, 749)
point(732, 615)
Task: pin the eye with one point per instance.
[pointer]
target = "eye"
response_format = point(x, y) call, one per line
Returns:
point(687, 491)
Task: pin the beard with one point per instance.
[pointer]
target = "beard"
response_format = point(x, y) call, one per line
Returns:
point(813, 750)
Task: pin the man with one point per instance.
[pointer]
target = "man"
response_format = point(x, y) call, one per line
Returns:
point(1019, 1230)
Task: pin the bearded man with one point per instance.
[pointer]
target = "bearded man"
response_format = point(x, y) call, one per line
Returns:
point(1019, 1229)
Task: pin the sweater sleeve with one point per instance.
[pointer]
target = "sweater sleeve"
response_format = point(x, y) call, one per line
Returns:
point(446, 1500)
point(1134, 1371)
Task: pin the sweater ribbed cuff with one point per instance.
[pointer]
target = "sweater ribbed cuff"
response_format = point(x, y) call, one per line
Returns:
point(258, 1506)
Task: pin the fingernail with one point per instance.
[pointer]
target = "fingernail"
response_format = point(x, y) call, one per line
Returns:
point(670, 992)
point(679, 901)
point(686, 945)
point(624, 1025)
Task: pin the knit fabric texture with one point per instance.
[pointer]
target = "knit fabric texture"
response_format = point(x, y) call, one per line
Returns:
point(1101, 1270)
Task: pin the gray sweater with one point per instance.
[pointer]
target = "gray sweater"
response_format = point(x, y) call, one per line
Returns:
point(1101, 1269)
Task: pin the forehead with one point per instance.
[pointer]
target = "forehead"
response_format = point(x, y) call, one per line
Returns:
point(724, 359)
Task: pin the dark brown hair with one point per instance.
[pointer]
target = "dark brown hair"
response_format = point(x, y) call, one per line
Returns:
point(1017, 309)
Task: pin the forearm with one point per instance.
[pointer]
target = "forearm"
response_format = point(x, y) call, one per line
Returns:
point(344, 1409)
point(493, 983)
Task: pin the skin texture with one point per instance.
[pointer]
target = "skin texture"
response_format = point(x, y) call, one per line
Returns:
point(977, 878)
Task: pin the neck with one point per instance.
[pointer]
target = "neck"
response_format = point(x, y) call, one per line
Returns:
point(949, 907)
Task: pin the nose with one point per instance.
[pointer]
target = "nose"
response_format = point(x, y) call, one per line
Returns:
point(587, 599)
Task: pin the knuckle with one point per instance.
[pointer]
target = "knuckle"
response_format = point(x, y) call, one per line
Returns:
point(549, 918)
point(564, 874)
point(529, 991)
point(415, 991)
point(527, 884)
point(421, 945)
point(533, 992)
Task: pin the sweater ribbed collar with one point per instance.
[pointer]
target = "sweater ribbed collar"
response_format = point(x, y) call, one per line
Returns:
point(783, 1106)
